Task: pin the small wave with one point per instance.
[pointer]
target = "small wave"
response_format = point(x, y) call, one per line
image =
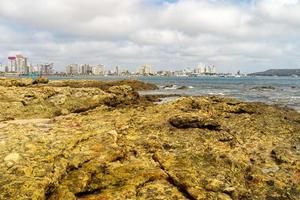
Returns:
point(217, 93)
point(170, 87)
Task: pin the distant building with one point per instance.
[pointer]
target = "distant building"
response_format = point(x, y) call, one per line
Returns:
point(203, 69)
point(2, 68)
point(145, 70)
point(164, 73)
point(46, 69)
point(18, 64)
point(85, 69)
point(72, 69)
point(12, 67)
point(117, 71)
point(200, 69)
point(22, 66)
point(98, 70)
point(213, 70)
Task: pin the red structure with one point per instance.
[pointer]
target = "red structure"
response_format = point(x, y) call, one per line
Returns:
point(12, 58)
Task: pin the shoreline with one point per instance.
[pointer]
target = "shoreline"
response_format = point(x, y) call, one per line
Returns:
point(74, 140)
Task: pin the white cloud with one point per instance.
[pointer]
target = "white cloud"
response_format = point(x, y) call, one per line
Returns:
point(132, 32)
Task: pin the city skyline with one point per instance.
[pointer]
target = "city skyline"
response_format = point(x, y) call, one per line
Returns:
point(19, 65)
point(246, 35)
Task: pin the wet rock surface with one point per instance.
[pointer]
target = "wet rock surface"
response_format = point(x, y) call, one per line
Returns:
point(103, 85)
point(146, 151)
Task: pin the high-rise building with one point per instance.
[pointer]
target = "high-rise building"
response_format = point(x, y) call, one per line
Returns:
point(85, 69)
point(2, 68)
point(213, 70)
point(12, 64)
point(72, 69)
point(200, 69)
point(117, 71)
point(203, 69)
point(22, 66)
point(18, 64)
point(98, 70)
point(46, 69)
point(145, 70)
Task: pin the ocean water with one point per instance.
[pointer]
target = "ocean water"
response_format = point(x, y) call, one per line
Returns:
point(283, 91)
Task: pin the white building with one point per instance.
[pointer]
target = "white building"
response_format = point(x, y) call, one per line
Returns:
point(203, 69)
point(21, 64)
point(45, 69)
point(200, 69)
point(72, 69)
point(18, 64)
point(98, 70)
point(85, 69)
point(213, 70)
point(2, 68)
point(145, 70)
point(12, 65)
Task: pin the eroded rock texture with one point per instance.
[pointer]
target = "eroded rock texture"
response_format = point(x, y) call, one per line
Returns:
point(193, 148)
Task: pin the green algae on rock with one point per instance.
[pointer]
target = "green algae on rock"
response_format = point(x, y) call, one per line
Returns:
point(192, 148)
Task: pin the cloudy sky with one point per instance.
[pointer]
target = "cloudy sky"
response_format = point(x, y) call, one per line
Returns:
point(246, 35)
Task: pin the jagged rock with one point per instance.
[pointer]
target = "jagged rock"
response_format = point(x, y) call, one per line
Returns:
point(14, 157)
point(10, 82)
point(45, 102)
point(123, 95)
point(103, 85)
point(11, 159)
point(193, 121)
point(132, 152)
point(214, 185)
point(41, 80)
point(282, 155)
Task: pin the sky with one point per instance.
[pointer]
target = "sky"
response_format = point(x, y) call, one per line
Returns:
point(246, 35)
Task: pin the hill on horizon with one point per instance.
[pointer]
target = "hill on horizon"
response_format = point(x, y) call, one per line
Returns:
point(277, 72)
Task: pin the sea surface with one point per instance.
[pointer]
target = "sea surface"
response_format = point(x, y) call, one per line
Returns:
point(283, 91)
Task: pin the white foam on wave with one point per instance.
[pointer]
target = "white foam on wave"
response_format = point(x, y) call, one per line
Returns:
point(216, 93)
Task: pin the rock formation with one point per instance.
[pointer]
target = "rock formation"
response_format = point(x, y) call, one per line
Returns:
point(85, 143)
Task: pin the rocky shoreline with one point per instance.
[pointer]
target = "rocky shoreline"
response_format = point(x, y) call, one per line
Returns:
point(98, 140)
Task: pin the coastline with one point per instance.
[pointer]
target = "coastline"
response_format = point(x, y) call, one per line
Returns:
point(99, 140)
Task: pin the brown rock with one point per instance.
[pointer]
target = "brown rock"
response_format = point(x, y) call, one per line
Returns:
point(193, 121)
point(41, 80)
point(131, 152)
